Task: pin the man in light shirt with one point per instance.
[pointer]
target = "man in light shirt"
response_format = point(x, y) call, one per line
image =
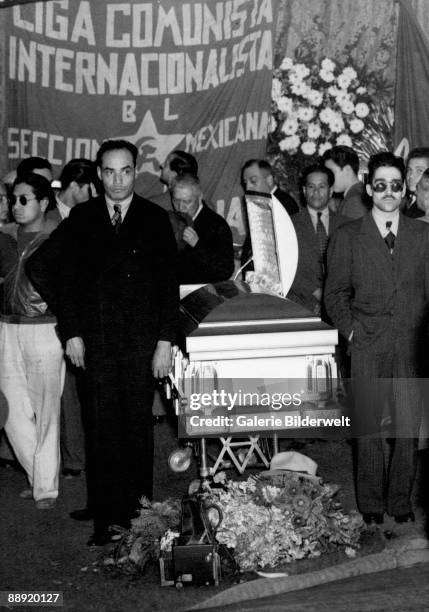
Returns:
point(77, 180)
point(377, 294)
point(313, 225)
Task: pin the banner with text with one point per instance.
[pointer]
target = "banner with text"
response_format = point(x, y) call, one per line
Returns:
point(192, 75)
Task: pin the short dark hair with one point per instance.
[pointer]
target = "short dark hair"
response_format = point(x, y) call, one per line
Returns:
point(418, 152)
point(29, 164)
point(318, 168)
point(182, 162)
point(79, 170)
point(115, 145)
point(261, 163)
point(343, 156)
point(382, 160)
point(39, 184)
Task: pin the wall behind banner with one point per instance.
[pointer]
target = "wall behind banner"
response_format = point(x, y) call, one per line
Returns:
point(193, 75)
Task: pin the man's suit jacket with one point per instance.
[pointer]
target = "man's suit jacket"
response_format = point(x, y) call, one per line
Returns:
point(309, 275)
point(286, 200)
point(212, 258)
point(353, 204)
point(115, 290)
point(380, 297)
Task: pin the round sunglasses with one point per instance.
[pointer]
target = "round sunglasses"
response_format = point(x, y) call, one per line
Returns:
point(395, 186)
point(22, 199)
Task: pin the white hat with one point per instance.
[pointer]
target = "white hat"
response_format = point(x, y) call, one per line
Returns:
point(293, 462)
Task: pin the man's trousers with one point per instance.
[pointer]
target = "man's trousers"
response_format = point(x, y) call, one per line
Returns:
point(31, 380)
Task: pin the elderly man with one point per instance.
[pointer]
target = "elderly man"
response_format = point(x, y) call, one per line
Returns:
point(314, 225)
point(204, 238)
point(117, 311)
point(377, 294)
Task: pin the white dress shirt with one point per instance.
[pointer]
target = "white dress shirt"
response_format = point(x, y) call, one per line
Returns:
point(324, 217)
point(124, 205)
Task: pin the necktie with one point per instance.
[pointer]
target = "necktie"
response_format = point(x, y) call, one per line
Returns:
point(389, 239)
point(322, 236)
point(117, 217)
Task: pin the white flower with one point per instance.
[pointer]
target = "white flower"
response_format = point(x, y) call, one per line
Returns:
point(342, 96)
point(290, 126)
point(324, 147)
point(308, 147)
point(347, 107)
point(361, 110)
point(333, 91)
point(290, 143)
point(299, 89)
point(344, 139)
point(305, 113)
point(356, 125)
point(326, 75)
point(326, 115)
point(361, 90)
point(343, 81)
point(294, 78)
point(273, 124)
point(328, 64)
point(313, 130)
point(349, 72)
point(276, 89)
point(337, 124)
point(284, 104)
point(301, 70)
point(286, 64)
point(314, 97)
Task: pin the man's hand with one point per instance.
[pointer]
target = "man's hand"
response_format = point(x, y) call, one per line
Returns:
point(75, 351)
point(161, 360)
point(190, 236)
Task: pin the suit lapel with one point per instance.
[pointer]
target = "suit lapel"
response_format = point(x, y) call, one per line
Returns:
point(374, 244)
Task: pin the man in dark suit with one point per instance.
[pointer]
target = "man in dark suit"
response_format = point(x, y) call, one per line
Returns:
point(206, 253)
point(313, 225)
point(344, 163)
point(117, 305)
point(77, 179)
point(377, 294)
point(417, 163)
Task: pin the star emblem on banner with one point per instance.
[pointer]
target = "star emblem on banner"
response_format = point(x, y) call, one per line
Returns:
point(152, 146)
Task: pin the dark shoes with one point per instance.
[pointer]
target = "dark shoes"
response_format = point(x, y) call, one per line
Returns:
point(102, 538)
point(373, 518)
point(408, 517)
point(84, 514)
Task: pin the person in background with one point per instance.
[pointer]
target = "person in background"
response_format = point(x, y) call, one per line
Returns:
point(31, 355)
point(377, 295)
point(77, 185)
point(314, 225)
point(177, 162)
point(4, 205)
point(204, 238)
point(344, 163)
point(417, 162)
point(36, 165)
point(422, 196)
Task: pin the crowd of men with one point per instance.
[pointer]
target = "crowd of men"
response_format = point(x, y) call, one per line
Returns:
point(90, 297)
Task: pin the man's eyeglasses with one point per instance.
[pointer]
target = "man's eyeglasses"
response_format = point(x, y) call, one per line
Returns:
point(22, 199)
point(395, 186)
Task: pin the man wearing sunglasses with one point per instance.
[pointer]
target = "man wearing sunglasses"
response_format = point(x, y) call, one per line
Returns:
point(377, 293)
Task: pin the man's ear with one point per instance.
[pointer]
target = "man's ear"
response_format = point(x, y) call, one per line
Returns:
point(99, 172)
point(270, 180)
point(43, 203)
point(368, 189)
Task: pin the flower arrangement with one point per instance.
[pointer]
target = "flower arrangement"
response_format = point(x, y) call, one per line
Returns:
point(278, 519)
point(317, 107)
